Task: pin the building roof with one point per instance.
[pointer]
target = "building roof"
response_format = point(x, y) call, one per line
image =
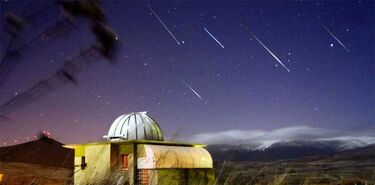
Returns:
point(157, 156)
point(135, 126)
point(119, 142)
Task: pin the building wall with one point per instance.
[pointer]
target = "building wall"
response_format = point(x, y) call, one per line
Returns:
point(96, 169)
point(122, 176)
point(104, 166)
point(201, 176)
point(184, 177)
point(79, 175)
point(98, 163)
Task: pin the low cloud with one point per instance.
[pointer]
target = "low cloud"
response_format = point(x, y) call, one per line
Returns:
point(264, 138)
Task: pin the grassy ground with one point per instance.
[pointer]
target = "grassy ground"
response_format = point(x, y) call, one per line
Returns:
point(298, 173)
point(32, 174)
point(295, 172)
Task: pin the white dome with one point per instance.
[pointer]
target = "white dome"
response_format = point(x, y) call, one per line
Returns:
point(135, 126)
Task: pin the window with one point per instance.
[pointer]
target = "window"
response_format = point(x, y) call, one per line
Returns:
point(83, 162)
point(125, 162)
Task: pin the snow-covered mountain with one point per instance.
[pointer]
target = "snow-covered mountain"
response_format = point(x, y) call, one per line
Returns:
point(293, 136)
point(335, 145)
point(282, 150)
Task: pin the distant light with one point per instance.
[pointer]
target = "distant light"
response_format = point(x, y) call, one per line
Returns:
point(331, 45)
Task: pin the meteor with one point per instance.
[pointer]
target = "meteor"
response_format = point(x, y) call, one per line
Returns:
point(162, 23)
point(213, 37)
point(265, 47)
point(325, 28)
point(195, 92)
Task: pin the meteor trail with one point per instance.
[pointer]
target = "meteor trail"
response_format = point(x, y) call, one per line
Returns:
point(265, 47)
point(213, 37)
point(195, 92)
point(162, 23)
point(325, 28)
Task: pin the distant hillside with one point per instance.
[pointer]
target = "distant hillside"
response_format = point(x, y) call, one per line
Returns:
point(364, 154)
point(289, 150)
point(44, 151)
point(300, 166)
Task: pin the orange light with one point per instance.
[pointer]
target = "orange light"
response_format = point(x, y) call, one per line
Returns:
point(125, 161)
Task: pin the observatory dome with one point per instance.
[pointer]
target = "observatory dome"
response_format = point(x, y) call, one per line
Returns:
point(135, 126)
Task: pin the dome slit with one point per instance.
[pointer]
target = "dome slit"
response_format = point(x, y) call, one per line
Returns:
point(136, 126)
point(123, 127)
point(144, 128)
point(118, 124)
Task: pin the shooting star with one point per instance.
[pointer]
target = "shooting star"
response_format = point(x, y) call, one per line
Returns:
point(195, 92)
point(213, 37)
point(265, 47)
point(325, 28)
point(162, 23)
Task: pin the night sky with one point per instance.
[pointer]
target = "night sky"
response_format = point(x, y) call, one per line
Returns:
point(237, 86)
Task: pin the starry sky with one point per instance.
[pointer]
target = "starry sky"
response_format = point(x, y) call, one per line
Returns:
point(238, 86)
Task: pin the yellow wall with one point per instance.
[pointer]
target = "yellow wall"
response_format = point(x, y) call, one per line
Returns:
point(97, 161)
point(184, 177)
point(79, 151)
point(126, 149)
point(79, 175)
point(103, 163)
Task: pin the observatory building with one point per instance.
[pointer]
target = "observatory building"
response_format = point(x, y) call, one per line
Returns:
point(135, 153)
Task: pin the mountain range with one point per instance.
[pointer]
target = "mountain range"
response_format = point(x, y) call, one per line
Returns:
point(284, 150)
